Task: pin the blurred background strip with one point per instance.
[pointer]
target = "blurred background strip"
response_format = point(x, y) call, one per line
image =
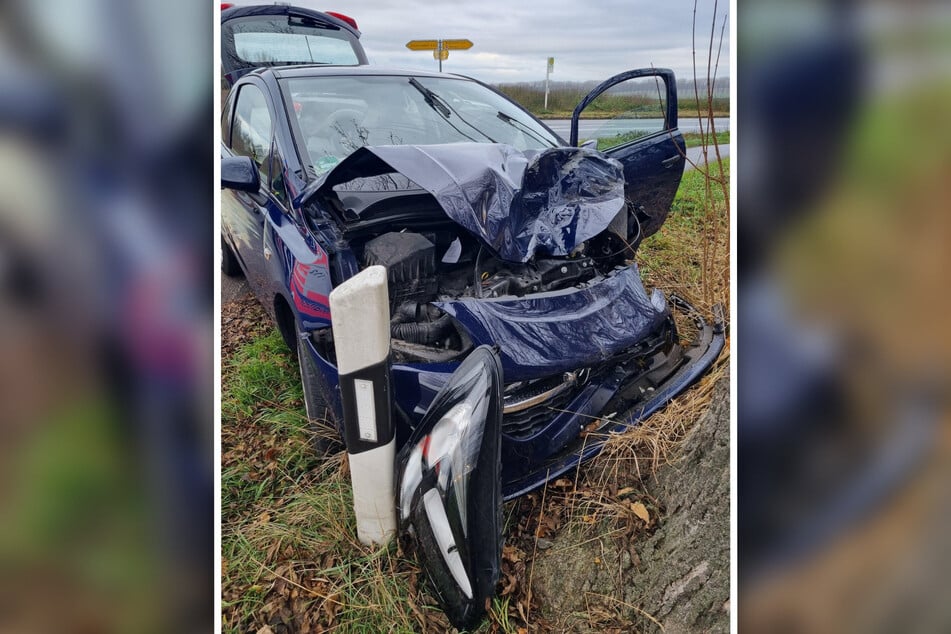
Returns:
point(106, 331)
point(844, 194)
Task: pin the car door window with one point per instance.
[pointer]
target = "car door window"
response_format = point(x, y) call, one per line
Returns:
point(226, 121)
point(276, 169)
point(626, 112)
point(251, 128)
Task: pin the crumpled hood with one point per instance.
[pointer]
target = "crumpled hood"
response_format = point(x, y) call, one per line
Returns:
point(517, 202)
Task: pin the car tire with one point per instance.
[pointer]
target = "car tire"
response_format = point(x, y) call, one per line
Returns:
point(229, 261)
point(320, 413)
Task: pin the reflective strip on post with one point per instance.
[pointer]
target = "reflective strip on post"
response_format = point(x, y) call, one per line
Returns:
point(360, 318)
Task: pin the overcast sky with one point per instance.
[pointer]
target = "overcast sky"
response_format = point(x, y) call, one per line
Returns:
point(589, 40)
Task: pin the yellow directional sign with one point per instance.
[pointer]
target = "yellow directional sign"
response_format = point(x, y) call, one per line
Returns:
point(422, 45)
point(440, 48)
point(456, 45)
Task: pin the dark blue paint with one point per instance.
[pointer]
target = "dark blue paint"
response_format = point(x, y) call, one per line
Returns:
point(563, 330)
point(653, 165)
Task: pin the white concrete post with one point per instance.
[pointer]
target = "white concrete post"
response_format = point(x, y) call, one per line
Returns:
point(360, 317)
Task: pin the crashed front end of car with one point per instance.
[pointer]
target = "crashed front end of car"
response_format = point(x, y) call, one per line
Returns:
point(529, 251)
point(520, 328)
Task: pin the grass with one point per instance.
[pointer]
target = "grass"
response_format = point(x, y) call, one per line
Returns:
point(695, 139)
point(290, 556)
point(77, 525)
point(562, 102)
point(615, 114)
point(689, 255)
point(691, 139)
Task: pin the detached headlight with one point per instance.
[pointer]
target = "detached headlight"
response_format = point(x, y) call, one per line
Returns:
point(450, 490)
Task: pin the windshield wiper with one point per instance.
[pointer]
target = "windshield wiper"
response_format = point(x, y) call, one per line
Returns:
point(432, 99)
point(515, 123)
point(440, 105)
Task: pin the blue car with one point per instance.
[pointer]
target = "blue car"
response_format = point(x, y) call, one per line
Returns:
point(509, 255)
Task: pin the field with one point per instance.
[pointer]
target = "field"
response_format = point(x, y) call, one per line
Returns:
point(563, 99)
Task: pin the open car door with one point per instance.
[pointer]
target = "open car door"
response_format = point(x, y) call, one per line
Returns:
point(642, 134)
point(280, 35)
point(449, 488)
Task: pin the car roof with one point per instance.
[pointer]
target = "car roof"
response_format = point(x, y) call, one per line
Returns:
point(284, 9)
point(322, 70)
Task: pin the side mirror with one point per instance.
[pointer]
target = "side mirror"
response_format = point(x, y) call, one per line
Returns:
point(590, 144)
point(240, 173)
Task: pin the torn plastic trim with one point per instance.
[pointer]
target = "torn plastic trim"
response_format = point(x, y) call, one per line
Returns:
point(516, 202)
point(698, 357)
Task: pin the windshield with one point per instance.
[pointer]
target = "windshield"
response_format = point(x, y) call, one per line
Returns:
point(337, 115)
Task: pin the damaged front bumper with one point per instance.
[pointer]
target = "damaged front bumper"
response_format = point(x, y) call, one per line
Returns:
point(615, 398)
point(592, 361)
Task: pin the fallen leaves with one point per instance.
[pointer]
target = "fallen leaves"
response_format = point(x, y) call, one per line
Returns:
point(641, 511)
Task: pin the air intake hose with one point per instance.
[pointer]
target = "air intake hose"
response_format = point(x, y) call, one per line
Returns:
point(427, 333)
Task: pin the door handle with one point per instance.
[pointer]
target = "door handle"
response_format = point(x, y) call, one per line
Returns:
point(669, 162)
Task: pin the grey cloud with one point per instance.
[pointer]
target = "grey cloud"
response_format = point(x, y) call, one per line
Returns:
point(588, 40)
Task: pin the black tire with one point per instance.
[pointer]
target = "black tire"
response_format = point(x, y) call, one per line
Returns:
point(229, 261)
point(320, 413)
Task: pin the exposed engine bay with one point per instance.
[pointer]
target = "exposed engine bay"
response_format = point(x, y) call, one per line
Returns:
point(478, 221)
point(444, 261)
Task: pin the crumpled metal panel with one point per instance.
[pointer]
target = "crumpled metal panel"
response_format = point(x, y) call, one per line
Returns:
point(547, 333)
point(517, 202)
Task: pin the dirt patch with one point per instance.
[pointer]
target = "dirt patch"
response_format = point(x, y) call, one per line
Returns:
point(671, 571)
point(242, 321)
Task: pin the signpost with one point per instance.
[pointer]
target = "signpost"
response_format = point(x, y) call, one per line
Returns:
point(440, 48)
point(548, 72)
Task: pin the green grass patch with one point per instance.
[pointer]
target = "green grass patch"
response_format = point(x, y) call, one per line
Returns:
point(695, 139)
point(606, 142)
point(672, 259)
point(78, 507)
point(692, 139)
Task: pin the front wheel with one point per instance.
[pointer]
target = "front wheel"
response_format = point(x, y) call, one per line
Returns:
point(320, 413)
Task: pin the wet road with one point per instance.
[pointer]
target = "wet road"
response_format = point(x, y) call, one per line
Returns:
point(695, 154)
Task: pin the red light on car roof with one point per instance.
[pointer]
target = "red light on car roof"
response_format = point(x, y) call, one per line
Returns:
point(226, 5)
point(345, 18)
